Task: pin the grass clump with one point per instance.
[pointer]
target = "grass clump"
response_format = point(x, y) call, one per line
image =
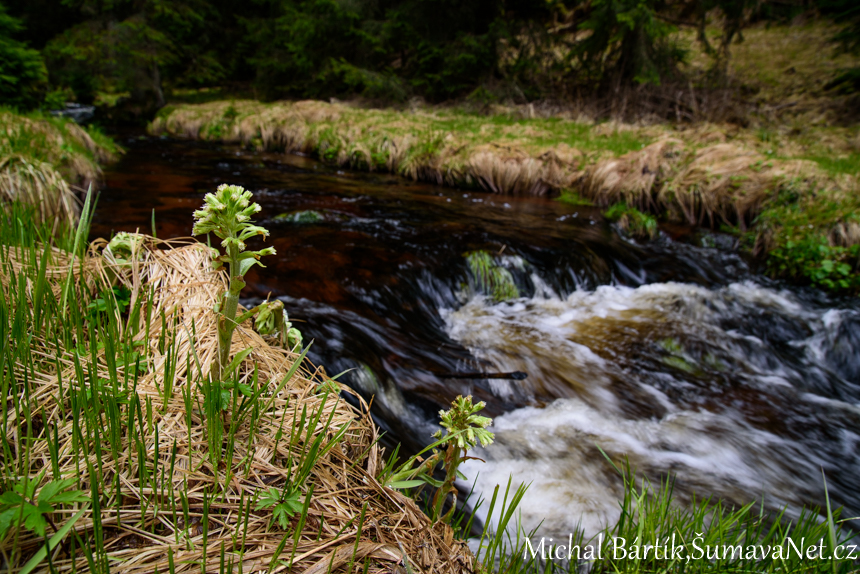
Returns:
point(491, 277)
point(654, 534)
point(632, 221)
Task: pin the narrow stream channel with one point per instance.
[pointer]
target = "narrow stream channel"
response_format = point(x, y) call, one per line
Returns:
point(675, 356)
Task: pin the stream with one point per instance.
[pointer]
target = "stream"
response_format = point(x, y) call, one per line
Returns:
point(676, 356)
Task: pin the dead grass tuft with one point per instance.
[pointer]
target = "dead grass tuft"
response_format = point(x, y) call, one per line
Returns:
point(631, 178)
point(42, 157)
point(40, 185)
point(722, 181)
point(176, 281)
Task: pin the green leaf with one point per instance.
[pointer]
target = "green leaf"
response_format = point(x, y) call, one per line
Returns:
point(6, 519)
point(246, 264)
point(224, 403)
point(269, 499)
point(402, 484)
point(10, 497)
point(237, 360)
point(282, 515)
point(52, 543)
point(52, 488)
point(34, 520)
point(70, 497)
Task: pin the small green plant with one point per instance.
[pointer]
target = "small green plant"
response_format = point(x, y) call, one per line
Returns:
point(271, 319)
point(491, 277)
point(632, 221)
point(284, 504)
point(123, 246)
point(21, 505)
point(464, 429)
point(116, 298)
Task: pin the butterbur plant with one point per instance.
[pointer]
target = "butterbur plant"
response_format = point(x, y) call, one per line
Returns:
point(272, 319)
point(466, 429)
point(227, 213)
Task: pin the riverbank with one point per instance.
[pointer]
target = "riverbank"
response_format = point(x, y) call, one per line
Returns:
point(792, 196)
point(126, 373)
point(46, 161)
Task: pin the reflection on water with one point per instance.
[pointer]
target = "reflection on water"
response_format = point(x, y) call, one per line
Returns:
point(674, 356)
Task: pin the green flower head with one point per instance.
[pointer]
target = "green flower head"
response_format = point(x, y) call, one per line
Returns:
point(227, 213)
point(461, 417)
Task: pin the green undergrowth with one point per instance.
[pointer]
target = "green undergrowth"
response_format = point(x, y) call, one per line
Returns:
point(655, 534)
point(848, 164)
point(811, 237)
point(571, 197)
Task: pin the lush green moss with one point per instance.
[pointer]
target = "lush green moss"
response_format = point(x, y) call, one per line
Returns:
point(632, 221)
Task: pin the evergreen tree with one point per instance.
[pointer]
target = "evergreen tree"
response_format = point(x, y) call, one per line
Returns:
point(23, 77)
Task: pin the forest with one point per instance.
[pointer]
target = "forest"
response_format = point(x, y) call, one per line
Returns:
point(388, 51)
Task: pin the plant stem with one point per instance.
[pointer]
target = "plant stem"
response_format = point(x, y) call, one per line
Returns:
point(227, 321)
point(452, 462)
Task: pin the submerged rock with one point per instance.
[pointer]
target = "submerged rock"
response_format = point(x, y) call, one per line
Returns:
point(302, 217)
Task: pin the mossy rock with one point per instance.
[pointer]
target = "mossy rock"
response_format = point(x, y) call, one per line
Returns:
point(301, 217)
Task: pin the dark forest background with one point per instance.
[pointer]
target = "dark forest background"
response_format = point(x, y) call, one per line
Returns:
point(145, 51)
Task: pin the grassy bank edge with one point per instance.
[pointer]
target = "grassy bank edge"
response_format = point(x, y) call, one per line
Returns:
point(801, 216)
point(48, 161)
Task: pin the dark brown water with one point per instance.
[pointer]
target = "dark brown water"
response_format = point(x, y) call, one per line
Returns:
point(675, 356)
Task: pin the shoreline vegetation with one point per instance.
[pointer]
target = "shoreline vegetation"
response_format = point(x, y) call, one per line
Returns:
point(48, 162)
point(792, 198)
point(116, 456)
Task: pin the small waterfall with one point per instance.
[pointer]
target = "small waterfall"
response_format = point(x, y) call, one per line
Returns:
point(740, 392)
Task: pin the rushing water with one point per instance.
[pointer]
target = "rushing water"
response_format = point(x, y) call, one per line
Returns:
point(674, 356)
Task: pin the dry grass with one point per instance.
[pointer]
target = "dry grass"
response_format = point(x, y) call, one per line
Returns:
point(140, 528)
point(41, 157)
point(39, 184)
point(422, 145)
point(698, 171)
point(632, 177)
